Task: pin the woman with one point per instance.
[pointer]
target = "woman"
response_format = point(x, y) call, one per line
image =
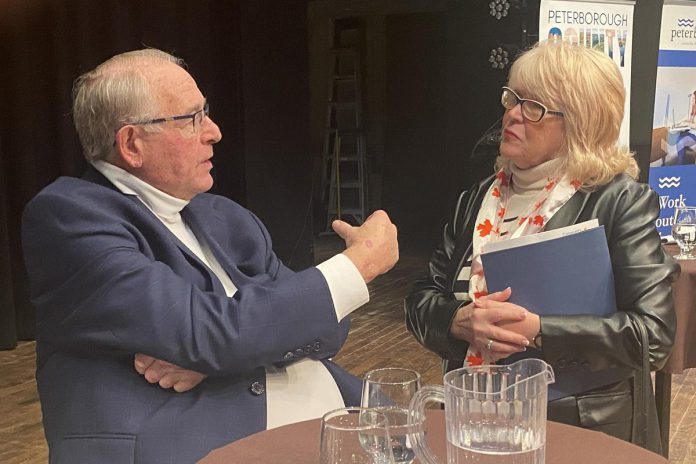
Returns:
point(559, 165)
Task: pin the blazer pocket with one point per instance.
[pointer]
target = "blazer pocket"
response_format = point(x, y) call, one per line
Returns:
point(94, 448)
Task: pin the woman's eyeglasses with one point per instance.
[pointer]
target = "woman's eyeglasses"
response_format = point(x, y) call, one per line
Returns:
point(532, 110)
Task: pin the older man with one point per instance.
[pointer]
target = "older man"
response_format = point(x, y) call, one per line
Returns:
point(134, 259)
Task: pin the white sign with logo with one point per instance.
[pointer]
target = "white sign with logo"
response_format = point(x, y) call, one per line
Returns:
point(673, 150)
point(603, 26)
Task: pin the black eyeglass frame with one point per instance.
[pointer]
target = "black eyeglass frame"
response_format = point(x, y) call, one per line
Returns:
point(192, 117)
point(521, 101)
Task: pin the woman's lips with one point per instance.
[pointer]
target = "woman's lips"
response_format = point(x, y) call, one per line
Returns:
point(507, 134)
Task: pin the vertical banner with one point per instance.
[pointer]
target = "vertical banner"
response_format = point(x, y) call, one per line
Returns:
point(673, 147)
point(603, 26)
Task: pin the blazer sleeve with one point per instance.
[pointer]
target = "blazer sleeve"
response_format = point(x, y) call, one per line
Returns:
point(643, 273)
point(431, 305)
point(98, 293)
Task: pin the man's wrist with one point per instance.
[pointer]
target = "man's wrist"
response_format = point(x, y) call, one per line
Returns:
point(362, 263)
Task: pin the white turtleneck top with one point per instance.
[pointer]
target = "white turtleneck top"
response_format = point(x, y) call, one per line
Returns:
point(303, 390)
point(525, 187)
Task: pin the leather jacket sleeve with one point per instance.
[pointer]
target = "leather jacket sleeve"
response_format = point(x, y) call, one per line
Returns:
point(431, 305)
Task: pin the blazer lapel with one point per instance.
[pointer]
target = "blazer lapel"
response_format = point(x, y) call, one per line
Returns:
point(206, 230)
point(92, 175)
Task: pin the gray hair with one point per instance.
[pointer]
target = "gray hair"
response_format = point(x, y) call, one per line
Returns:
point(115, 92)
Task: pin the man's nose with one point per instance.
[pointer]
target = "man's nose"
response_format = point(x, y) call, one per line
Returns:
point(211, 132)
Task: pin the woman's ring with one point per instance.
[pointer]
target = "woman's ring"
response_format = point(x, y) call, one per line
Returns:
point(489, 344)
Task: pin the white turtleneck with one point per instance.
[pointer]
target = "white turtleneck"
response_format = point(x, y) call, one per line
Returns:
point(303, 390)
point(525, 186)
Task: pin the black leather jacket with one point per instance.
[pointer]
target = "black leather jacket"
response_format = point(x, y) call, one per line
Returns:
point(642, 273)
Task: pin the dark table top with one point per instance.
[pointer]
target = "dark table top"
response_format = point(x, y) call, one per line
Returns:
point(299, 444)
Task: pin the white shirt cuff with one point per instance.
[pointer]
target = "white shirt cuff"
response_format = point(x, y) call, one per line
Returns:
point(346, 285)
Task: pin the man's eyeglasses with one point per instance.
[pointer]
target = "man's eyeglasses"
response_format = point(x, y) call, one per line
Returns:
point(197, 118)
point(532, 110)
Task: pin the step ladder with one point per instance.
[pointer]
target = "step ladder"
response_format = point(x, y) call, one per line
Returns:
point(344, 183)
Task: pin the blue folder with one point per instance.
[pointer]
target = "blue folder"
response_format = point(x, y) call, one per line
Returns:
point(568, 275)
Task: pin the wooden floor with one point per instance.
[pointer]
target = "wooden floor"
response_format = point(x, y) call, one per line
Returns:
point(378, 338)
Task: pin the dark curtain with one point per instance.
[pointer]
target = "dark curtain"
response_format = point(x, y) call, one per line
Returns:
point(45, 44)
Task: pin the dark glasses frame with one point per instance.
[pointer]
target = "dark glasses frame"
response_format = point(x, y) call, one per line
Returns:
point(526, 101)
point(205, 111)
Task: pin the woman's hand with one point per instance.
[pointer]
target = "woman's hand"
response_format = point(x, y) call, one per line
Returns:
point(528, 327)
point(482, 324)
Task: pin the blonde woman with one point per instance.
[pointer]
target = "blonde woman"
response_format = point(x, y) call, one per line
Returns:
point(559, 164)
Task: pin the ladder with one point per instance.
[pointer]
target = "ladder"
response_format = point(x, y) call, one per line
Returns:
point(344, 183)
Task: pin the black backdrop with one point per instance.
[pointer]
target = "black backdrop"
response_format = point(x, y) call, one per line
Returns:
point(250, 58)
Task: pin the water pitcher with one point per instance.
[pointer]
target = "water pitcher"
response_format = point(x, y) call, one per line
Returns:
point(493, 414)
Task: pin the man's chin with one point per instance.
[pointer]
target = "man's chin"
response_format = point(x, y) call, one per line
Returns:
point(208, 184)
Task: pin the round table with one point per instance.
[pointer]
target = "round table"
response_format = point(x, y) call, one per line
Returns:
point(299, 443)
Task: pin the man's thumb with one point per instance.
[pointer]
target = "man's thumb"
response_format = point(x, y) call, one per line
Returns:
point(342, 228)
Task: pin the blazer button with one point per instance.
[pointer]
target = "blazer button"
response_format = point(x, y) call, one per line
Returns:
point(585, 365)
point(317, 346)
point(257, 388)
point(288, 356)
point(561, 363)
point(308, 349)
point(299, 353)
point(573, 364)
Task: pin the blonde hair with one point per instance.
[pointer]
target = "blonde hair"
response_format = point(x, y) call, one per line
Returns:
point(115, 92)
point(587, 87)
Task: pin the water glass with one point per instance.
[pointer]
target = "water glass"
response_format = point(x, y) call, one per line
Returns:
point(355, 436)
point(684, 230)
point(390, 391)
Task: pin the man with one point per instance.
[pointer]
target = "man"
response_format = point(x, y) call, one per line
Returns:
point(134, 259)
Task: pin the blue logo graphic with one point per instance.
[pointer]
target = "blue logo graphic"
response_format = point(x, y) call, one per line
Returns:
point(675, 186)
point(668, 182)
point(685, 22)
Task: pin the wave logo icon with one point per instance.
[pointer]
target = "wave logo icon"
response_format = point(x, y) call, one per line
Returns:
point(685, 22)
point(668, 182)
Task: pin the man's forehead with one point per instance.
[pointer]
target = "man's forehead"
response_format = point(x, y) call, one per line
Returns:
point(162, 73)
point(173, 86)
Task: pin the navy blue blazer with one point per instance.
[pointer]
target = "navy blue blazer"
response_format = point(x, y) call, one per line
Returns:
point(109, 280)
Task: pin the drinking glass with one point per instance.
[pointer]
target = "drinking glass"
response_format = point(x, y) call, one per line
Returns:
point(356, 436)
point(390, 390)
point(684, 230)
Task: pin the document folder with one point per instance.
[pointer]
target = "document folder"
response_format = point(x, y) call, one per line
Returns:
point(567, 275)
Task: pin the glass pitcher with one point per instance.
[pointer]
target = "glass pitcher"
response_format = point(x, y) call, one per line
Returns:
point(493, 414)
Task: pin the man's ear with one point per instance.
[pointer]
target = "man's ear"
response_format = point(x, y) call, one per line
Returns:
point(129, 146)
